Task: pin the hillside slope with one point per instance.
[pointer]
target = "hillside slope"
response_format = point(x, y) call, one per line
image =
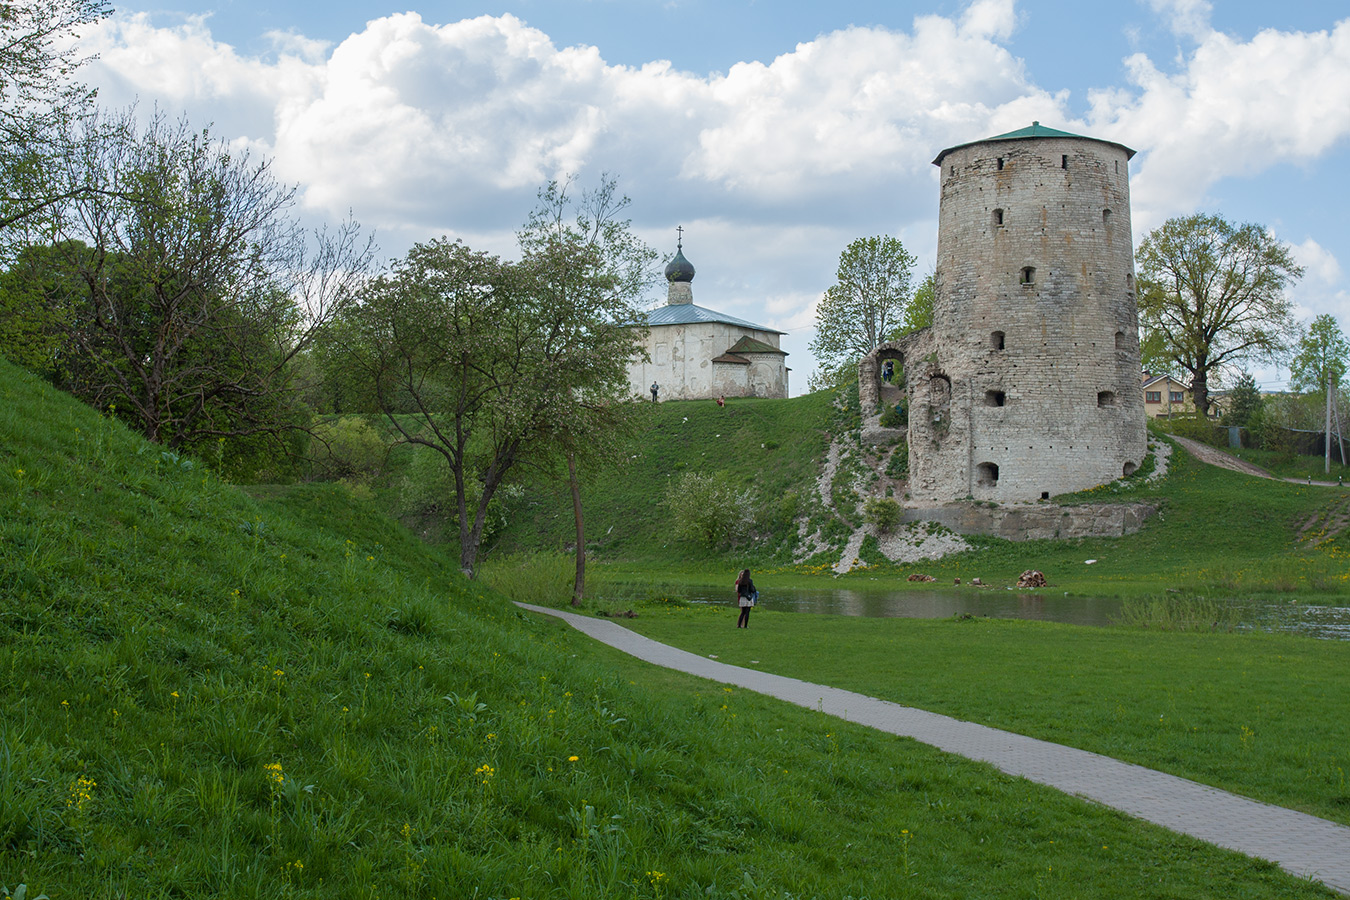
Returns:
point(210, 694)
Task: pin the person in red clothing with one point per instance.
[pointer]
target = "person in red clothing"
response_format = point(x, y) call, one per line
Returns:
point(746, 595)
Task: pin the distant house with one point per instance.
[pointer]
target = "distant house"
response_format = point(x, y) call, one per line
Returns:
point(1165, 397)
point(696, 353)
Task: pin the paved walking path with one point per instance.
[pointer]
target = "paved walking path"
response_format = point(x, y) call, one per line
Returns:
point(1216, 457)
point(1301, 844)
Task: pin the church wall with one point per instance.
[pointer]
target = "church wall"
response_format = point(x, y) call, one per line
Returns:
point(682, 364)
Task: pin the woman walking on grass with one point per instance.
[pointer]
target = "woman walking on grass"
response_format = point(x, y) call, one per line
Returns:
point(746, 595)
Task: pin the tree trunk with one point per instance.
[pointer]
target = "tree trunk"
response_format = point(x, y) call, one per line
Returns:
point(579, 584)
point(1200, 392)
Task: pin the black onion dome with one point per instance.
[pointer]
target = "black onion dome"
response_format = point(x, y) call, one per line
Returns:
point(679, 268)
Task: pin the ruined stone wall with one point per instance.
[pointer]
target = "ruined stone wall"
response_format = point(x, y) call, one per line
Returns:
point(1029, 383)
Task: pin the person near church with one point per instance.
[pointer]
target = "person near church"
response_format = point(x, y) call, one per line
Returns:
point(746, 597)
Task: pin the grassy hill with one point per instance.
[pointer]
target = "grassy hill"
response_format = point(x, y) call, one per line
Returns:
point(1218, 533)
point(207, 693)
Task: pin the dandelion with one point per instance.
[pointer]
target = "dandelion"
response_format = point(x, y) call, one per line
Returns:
point(485, 772)
point(573, 758)
point(81, 792)
point(174, 695)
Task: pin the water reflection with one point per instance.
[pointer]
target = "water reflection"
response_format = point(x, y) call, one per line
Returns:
point(920, 604)
point(1328, 622)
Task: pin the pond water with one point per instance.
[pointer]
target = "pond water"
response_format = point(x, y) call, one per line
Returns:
point(921, 604)
point(1329, 622)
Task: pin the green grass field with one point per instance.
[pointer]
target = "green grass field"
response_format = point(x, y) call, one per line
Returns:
point(212, 693)
point(1265, 716)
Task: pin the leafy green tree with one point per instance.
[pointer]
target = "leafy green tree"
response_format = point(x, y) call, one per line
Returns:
point(1320, 357)
point(1212, 294)
point(198, 288)
point(37, 95)
point(38, 297)
point(866, 303)
point(919, 312)
point(502, 364)
point(1244, 401)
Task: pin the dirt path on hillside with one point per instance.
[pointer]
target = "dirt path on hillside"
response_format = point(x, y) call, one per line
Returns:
point(1216, 457)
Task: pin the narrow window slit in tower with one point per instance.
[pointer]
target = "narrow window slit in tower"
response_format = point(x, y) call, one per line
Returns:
point(1120, 340)
point(998, 217)
point(996, 340)
point(1106, 398)
point(1064, 162)
point(1000, 164)
point(1045, 495)
point(1129, 281)
point(1106, 216)
point(1029, 275)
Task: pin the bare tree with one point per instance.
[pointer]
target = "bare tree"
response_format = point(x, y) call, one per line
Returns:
point(200, 287)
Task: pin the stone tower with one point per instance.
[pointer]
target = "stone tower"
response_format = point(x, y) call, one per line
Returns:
point(1027, 384)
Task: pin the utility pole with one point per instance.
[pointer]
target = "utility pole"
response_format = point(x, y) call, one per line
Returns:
point(1326, 435)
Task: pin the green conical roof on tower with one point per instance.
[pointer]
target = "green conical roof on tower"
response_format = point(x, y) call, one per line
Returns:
point(1034, 130)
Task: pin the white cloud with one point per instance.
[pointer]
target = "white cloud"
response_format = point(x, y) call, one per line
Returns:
point(1185, 17)
point(1318, 263)
point(1237, 108)
point(422, 129)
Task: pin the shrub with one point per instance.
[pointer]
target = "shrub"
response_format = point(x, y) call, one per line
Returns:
point(709, 509)
point(884, 513)
point(1197, 428)
point(898, 465)
point(346, 449)
point(895, 417)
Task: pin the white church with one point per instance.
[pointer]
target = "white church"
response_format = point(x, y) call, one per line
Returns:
point(696, 353)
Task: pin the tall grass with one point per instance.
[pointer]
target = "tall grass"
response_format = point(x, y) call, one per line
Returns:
point(1179, 612)
point(541, 578)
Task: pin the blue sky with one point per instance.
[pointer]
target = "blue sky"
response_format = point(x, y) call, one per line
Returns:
point(774, 132)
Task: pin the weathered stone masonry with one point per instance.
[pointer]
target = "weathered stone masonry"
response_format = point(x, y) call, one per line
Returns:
point(1027, 384)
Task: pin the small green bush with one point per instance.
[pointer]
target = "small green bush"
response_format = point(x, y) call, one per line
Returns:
point(898, 465)
point(1197, 428)
point(709, 509)
point(884, 513)
point(895, 417)
point(346, 449)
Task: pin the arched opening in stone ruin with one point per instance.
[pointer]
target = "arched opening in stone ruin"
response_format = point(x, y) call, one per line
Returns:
point(1129, 469)
point(1106, 398)
point(996, 340)
point(1120, 340)
point(1028, 275)
point(998, 218)
point(986, 474)
point(995, 398)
